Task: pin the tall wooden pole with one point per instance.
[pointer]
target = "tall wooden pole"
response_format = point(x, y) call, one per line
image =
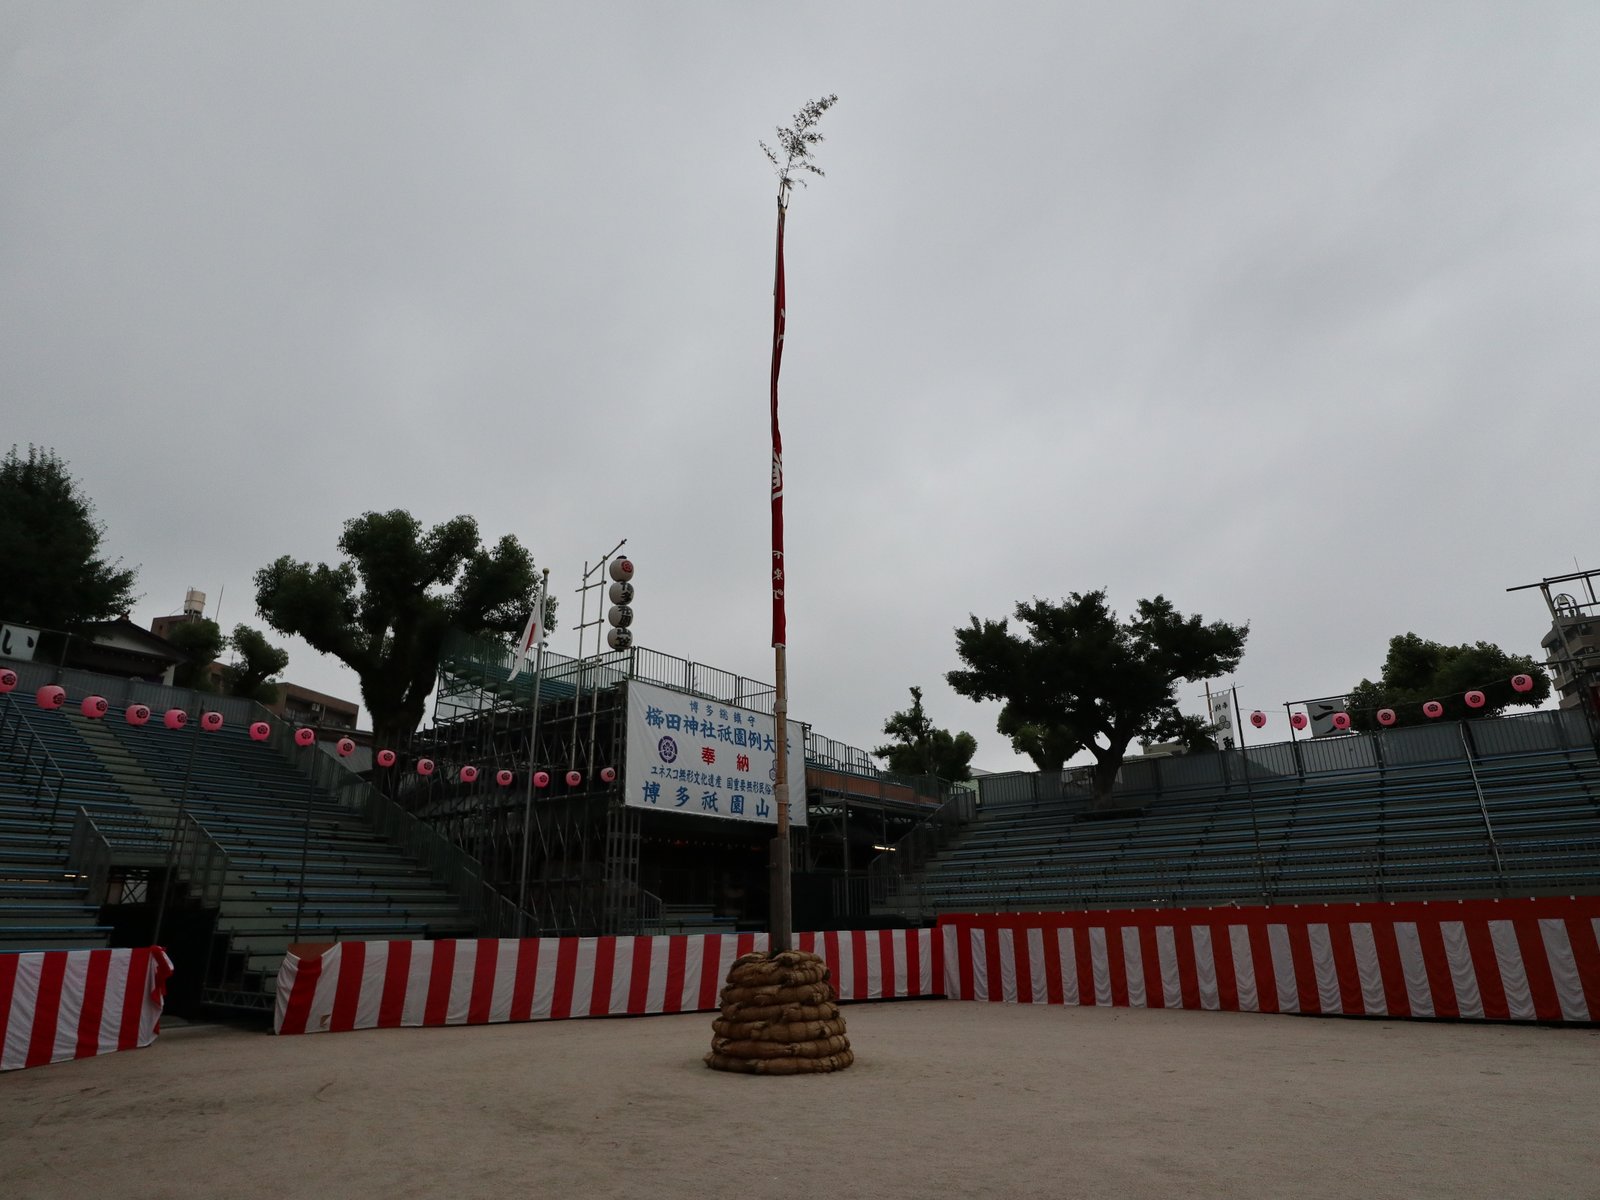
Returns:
point(782, 907)
point(533, 756)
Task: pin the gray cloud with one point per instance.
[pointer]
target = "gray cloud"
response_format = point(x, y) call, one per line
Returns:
point(1280, 310)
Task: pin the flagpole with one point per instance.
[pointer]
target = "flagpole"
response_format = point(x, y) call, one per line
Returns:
point(781, 917)
point(533, 756)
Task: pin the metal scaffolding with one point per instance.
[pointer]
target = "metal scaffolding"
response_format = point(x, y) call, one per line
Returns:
point(588, 851)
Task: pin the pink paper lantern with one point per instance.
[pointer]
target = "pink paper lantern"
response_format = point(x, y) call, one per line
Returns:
point(541, 779)
point(1341, 720)
point(469, 774)
point(1299, 720)
point(94, 707)
point(50, 696)
point(386, 758)
point(1475, 699)
point(424, 766)
point(574, 778)
point(137, 714)
point(608, 774)
point(175, 718)
point(211, 721)
point(1433, 710)
point(260, 731)
point(346, 747)
point(8, 680)
point(1258, 719)
point(504, 778)
point(305, 736)
point(1386, 716)
point(1519, 683)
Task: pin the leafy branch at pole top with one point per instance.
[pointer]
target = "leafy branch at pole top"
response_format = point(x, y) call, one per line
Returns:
point(795, 144)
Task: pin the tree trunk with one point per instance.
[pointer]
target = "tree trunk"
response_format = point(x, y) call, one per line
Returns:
point(1107, 764)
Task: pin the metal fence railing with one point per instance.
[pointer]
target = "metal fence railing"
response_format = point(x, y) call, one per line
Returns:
point(1141, 781)
point(120, 693)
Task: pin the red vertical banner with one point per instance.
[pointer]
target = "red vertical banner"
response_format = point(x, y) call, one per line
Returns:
point(779, 621)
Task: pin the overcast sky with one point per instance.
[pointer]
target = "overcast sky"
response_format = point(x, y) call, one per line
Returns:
point(1286, 311)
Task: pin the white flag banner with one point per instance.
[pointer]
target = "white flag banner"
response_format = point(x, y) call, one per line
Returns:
point(17, 641)
point(1322, 713)
point(532, 635)
point(1222, 726)
point(692, 755)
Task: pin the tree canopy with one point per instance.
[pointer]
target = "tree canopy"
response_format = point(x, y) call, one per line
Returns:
point(385, 610)
point(1081, 679)
point(259, 660)
point(57, 573)
point(201, 639)
point(1416, 671)
point(919, 748)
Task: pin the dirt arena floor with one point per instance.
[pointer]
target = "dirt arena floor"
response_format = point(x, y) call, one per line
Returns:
point(946, 1099)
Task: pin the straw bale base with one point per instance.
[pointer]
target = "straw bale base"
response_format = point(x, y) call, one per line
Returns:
point(779, 1018)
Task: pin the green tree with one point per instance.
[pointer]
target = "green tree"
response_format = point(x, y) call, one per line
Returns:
point(1083, 680)
point(1417, 671)
point(384, 611)
point(56, 572)
point(201, 639)
point(921, 749)
point(259, 660)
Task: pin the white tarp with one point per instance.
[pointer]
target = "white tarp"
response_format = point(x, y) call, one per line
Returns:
point(692, 755)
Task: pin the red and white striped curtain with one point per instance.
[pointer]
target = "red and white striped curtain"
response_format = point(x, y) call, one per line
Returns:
point(381, 985)
point(1522, 960)
point(63, 1004)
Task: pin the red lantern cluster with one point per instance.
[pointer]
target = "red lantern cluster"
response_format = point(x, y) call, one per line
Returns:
point(52, 697)
point(1432, 709)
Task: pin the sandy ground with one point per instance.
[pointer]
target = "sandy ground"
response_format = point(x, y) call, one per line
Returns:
point(946, 1099)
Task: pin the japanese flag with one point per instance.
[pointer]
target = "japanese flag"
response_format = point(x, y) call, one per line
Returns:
point(532, 635)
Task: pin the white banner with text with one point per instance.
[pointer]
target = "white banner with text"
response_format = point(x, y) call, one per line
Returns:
point(692, 755)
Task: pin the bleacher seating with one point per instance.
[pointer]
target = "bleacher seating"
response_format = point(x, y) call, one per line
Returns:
point(256, 805)
point(252, 803)
point(44, 905)
point(1407, 830)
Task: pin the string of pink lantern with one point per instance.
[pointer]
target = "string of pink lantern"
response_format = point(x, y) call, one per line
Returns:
point(52, 697)
point(1432, 709)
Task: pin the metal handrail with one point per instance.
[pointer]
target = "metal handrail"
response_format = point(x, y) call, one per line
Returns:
point(89, 856)
point(651, 911)
point(896, 872)
point(494, 913)
point(201, 858)
point(1483, 806)
point(19, 722)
